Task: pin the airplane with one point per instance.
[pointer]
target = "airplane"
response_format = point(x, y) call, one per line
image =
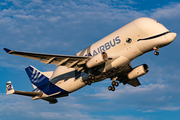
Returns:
point(109, 57)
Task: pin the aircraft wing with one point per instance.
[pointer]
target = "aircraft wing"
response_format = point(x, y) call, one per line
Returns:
point(26, 93)
point(63, 60)
point(134, 82)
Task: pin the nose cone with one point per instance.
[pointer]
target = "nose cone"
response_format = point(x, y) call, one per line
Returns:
point(174, 35)
point(171, 37)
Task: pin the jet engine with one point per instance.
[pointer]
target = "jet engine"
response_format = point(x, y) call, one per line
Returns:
point(138, 71)
point(97, 60)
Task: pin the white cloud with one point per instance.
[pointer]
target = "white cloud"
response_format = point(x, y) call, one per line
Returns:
point(67, 108)
point(54, 19)
point(38, 1)
point(3, 3)
point(25, 17)
point(149, 111)
point(168, 12)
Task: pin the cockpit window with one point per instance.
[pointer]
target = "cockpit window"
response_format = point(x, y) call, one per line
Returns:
point(128, 40)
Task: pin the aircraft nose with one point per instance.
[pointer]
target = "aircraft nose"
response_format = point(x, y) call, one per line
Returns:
point(173, 35)
point(170, 37)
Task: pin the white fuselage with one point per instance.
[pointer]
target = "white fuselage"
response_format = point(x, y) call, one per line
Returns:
point(122, 46)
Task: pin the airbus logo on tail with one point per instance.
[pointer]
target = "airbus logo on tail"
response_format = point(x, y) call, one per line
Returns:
point(9, 87)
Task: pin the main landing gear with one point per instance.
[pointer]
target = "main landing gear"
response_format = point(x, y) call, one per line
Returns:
point(156, 51)
point(90, 80)
point(114, 83)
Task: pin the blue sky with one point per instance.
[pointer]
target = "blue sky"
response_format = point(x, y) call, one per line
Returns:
point(68, 26)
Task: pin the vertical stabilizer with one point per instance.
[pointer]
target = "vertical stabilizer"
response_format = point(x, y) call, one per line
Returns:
point(9, 88)
point(37, 78)
point(42, 82)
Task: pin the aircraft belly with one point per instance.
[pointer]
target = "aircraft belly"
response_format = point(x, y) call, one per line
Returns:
point(72, 84)
point(132, 52)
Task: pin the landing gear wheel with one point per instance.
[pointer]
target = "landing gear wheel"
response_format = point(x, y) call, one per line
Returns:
point(156, 53)
point(116, 84)
point(113, 83)
point(113, 88)
point(92, 78)
point(89, 82)
point(109, 88)
point(86, 82)
point(89, 77)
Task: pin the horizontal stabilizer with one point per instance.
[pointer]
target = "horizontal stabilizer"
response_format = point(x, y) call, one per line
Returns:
point(26, 93)
point(51, 100)
point(10, 90)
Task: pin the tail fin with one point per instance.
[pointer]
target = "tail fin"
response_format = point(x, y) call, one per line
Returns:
point(9, 88)
point(42, 82)
point(36, 77)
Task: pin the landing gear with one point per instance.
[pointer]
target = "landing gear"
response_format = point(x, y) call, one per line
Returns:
point(86, 82)
point(115, 83)
point(112, 88)
point(90, 77)
point(90, 80)
point(156, 51)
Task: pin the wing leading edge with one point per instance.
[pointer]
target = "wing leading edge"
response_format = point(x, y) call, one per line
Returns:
point(63, 60)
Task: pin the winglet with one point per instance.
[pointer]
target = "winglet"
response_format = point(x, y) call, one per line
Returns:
point(9, 88)
point(7, 50)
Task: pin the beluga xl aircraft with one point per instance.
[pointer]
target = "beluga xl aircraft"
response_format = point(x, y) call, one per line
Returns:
point(109, 57)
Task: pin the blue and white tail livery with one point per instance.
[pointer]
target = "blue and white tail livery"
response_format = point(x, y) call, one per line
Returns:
point(43, 83)
point(36, 77)
point(109, 57)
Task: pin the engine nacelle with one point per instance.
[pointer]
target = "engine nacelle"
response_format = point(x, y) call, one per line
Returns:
point(97, 60)
point(138, 71)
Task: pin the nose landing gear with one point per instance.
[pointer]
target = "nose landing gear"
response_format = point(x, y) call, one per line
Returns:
point(156, 51)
